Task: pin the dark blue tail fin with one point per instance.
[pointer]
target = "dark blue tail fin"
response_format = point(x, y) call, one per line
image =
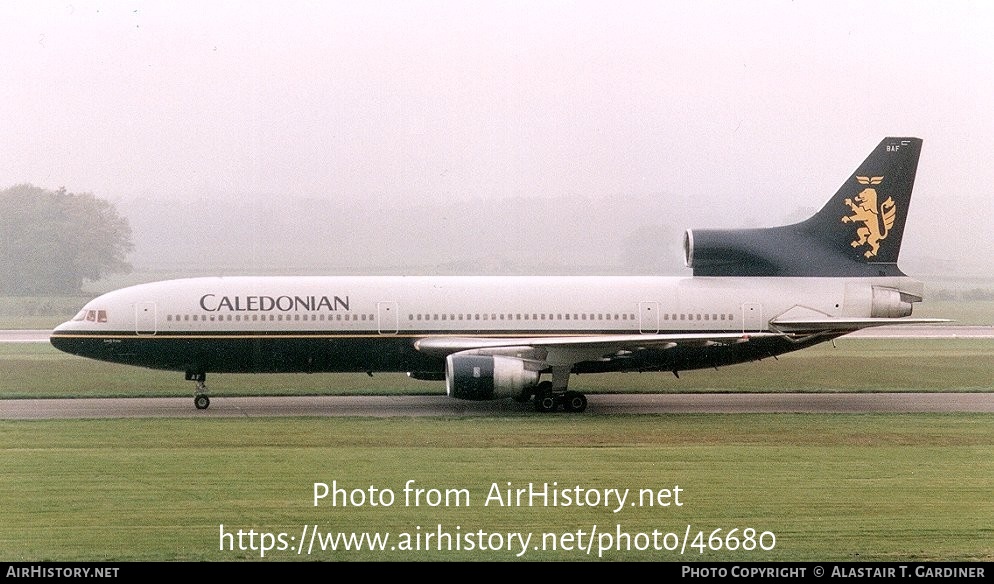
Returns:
point(857, 233)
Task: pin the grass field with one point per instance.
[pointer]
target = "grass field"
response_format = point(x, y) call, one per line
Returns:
point(892, 487)
point(826, 487)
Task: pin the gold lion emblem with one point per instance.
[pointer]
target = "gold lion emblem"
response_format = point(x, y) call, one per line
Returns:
point(876, 221)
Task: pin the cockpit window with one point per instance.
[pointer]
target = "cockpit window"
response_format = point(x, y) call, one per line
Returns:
point(92, 315)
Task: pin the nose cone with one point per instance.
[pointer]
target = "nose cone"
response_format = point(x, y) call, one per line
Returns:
point(62, 340)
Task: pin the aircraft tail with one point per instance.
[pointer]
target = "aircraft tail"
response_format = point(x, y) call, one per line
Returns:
point(857, 233)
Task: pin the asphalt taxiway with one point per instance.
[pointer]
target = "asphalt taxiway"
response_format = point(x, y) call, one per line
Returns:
point(417, 406)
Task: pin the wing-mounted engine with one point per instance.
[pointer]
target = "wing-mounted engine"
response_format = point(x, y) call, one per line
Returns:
point(486, 377)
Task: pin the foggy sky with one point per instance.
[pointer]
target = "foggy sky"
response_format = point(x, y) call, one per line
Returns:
point(736, 110)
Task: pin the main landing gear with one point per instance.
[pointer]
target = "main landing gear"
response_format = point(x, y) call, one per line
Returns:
point(570, 401)
point(200, 399)
point(551, 395)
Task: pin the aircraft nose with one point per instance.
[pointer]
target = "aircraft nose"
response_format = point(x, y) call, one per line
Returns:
point(59, 340)
point(54, 338)
point(61, 328)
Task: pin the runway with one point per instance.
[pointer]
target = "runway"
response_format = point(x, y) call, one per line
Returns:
point(421, 406)
point(24, 336)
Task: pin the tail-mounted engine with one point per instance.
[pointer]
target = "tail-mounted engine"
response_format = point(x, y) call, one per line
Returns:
point(891, 303)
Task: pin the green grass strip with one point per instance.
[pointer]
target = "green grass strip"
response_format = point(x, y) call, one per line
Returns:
point(829, 487)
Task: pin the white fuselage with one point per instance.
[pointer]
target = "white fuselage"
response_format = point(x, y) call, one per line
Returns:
point(458, 305)
point(412, 324)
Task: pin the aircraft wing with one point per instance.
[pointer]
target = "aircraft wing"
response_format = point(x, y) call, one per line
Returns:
point(568, 350)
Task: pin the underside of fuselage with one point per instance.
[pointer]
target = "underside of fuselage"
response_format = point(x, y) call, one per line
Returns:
point(323, 354)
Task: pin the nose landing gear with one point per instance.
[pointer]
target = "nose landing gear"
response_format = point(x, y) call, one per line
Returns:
point(201, 401)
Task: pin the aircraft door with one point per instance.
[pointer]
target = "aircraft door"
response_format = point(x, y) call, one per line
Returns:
point(386, 317)
point(752, 317)
point(649, 317)
point(145, 322)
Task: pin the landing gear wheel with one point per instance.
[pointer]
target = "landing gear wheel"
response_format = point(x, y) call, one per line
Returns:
point(546, 403)
point(545, 400)
point(200, 399)
point(574, 401)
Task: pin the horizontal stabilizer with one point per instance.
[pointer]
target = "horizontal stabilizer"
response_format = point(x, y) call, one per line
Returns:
point(824, 325)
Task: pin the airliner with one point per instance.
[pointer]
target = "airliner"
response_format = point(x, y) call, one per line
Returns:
point(754, 293)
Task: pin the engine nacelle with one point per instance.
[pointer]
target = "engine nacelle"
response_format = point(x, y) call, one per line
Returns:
point(891, 303)
point(486, 377)
point(801, 249)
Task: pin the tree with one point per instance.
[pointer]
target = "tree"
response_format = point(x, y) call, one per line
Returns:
point(53, 241)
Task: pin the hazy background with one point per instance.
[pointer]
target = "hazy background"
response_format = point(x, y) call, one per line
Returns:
point(493, 137)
